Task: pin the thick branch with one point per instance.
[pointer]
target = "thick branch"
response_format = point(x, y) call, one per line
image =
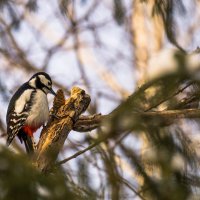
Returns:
point(88, 123)
point(53, 136)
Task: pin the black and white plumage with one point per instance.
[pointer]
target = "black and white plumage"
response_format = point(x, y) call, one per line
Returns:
point(28, 108)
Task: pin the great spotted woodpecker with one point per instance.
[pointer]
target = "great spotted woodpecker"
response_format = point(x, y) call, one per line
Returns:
point(28, 108)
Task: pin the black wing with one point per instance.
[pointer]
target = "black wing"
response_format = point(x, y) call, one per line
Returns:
point(17, 120)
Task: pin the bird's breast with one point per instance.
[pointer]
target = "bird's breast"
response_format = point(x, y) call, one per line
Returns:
point(39, 112)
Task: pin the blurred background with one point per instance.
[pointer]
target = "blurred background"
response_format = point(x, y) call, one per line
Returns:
point(111, 48)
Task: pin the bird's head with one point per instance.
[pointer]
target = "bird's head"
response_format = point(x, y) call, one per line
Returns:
point(42, 80)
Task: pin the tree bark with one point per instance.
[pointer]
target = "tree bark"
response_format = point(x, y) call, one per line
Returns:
point(64, 114)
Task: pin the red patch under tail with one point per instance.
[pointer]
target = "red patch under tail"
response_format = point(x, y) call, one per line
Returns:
point(29, 130)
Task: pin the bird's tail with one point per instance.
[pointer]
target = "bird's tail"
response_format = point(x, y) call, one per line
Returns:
point(29, 145)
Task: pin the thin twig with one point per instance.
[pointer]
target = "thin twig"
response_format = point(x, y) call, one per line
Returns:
point(166, 99)
point(174, 114)
point(125, 182)
point(83, 151)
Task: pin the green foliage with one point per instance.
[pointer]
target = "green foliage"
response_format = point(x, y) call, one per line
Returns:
point(84, 179)
point(20, 180)
point(173, 160)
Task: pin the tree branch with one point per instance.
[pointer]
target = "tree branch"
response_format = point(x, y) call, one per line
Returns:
point(83, 151)
point(64, 115)
point(88, 123)
point(174, 114)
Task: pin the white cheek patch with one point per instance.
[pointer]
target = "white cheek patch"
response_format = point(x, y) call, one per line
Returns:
point(44, 80)
point(23, 99)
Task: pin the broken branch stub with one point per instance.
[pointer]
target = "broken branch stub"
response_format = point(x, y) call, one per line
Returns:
point(63, 117)
point(88, 123)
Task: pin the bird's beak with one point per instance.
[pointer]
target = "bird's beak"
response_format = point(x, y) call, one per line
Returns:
point(52, 92)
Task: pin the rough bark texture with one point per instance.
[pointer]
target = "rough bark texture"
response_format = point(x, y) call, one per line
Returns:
point(63, 117)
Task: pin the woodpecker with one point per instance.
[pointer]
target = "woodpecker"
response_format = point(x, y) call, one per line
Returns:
point(28, 108)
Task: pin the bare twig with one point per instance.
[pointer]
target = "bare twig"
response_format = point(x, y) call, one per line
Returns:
point(83, 151)
point(128, 185)
point(166, 99)
point(175, 114)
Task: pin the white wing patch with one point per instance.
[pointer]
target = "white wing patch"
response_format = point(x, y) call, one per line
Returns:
point(32, 82)
point(23, 99)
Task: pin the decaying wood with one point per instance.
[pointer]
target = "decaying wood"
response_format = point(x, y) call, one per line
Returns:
point(88, 123)
point(63, 117)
